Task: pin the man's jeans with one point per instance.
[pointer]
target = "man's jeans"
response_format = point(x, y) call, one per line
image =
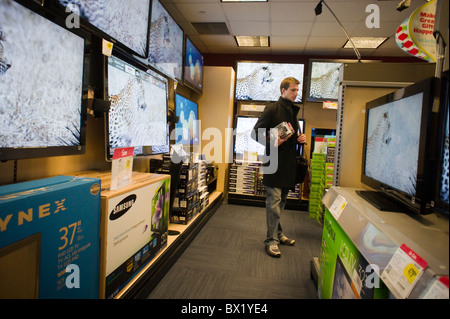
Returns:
point(275, 202)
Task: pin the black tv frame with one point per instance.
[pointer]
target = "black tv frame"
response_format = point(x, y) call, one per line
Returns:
point(401, 201)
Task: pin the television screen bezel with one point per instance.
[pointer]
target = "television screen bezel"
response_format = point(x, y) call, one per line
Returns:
point(15, 153)
point(441, 207)
point(142, 67)
point(419, 203)
point(56, 6)
point(177, 114)
point(301, 87)
point(186, 80)
point(155, 65)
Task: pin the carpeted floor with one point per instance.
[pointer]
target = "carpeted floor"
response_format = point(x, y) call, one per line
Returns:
point(227, 259)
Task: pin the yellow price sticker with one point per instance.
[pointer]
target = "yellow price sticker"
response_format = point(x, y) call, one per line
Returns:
point(410, 272)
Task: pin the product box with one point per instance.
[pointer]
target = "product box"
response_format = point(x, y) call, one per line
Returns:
point(134, 227)
point(344, 272)
point(50, 238)
point(183, 216)
point(284, 129)
point(188, 172)
point(185, 202)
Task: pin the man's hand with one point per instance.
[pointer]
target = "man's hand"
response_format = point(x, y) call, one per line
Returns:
point(301, 138)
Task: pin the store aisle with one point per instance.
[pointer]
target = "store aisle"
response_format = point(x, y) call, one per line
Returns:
point(227, 259)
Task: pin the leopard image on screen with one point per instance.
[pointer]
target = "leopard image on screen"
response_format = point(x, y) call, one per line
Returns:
point(324, 80)
point(40, 92)
point(393, 143)
point(126, 21)
point(260, 81)
point(137, 115)
point(166, 42)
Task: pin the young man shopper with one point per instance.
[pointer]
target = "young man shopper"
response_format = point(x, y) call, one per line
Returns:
point(279, 182)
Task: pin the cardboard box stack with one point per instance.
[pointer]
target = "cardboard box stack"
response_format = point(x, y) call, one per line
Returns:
point(322, 171)
point(245, 178)
point(185, 204)
point(203, 194)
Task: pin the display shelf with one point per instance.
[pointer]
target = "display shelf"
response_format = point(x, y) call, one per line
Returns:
point(147, 279)
point(378, 234)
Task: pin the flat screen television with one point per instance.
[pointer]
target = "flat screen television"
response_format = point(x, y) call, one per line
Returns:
point(126, 22)
point(324, 81)
point(138, 113)
point(166, 43)
point(187, 127)
point(442, 181)
point(243, 141)
point(41, 84)
point(260, 81)
point(193, 67)
point(397, 158)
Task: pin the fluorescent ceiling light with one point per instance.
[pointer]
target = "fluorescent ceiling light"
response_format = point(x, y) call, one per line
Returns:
point(244, 0)
point(365, 42)
point(251, 41)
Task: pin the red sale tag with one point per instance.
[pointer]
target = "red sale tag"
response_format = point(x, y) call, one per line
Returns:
point(123, 152)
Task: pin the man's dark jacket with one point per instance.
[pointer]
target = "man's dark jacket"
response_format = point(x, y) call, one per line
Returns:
point(281, 111)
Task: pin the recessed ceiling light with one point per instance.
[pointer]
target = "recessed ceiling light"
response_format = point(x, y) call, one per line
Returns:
point(252, 41)
point(365, 42)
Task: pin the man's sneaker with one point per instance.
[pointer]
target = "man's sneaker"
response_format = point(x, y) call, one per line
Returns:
point(273, 250)
point(286, 241)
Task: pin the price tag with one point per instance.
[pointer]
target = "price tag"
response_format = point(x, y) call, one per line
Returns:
point(338, 206)
point(107, 47)
point(403, 271)
point(438, 289)
point(122, 167)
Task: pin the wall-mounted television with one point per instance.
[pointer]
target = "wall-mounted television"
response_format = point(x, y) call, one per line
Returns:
point(397, 157)
point(41, 84)
point(138, 113)
point(323, 81)
point(126, 22)
point(193, 67)
point(187, 127)
point(260, 81)
point(166, 43)
point(243, 142)
point(442, 156)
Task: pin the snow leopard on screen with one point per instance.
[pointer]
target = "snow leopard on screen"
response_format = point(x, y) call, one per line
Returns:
point(93, 11)
point(326, 85)
point(125, 108)
point(4, 63)
point(160, 40)
point(249, 87)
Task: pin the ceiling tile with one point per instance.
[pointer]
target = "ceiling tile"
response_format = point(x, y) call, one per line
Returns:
point(247, 11)
point(249, 28)
point(290, 28)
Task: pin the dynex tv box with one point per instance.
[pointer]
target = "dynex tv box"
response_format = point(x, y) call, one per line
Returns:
point(49, 238)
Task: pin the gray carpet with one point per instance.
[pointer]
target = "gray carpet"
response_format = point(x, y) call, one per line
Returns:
point(227, 259)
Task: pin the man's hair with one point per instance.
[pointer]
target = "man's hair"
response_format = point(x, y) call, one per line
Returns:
point(286, 83)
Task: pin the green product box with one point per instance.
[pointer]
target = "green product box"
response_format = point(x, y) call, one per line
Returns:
point(344, 272)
